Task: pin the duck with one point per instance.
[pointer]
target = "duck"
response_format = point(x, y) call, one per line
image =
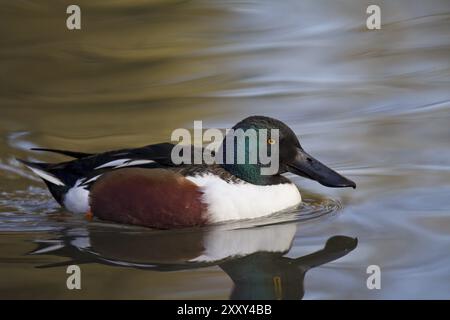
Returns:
point(143, 186)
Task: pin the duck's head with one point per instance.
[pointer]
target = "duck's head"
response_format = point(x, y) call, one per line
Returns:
point(292, 158)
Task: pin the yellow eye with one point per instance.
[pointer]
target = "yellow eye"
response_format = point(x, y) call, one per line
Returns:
point(271, 141)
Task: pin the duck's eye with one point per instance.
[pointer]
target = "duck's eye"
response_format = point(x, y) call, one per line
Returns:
point(271, 141)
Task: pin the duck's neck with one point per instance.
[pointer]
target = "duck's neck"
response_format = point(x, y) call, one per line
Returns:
point(252, 174)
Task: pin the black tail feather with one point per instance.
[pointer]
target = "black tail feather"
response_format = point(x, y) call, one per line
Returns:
point(56, 186)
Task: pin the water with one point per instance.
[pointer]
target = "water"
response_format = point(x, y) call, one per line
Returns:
point(373, 105)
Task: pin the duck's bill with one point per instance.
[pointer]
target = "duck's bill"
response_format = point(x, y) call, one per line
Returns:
point(306, 166)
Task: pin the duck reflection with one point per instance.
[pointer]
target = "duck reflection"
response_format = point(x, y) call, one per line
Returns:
point(253, 257)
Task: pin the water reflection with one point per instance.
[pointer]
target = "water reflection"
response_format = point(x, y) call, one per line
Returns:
point(255, 259)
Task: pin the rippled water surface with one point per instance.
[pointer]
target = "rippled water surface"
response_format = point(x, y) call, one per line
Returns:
point(374, 105)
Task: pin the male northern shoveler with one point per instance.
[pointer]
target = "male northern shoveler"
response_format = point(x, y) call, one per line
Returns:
point(143, 186)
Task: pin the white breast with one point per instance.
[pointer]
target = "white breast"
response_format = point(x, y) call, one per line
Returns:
point(242, 200)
